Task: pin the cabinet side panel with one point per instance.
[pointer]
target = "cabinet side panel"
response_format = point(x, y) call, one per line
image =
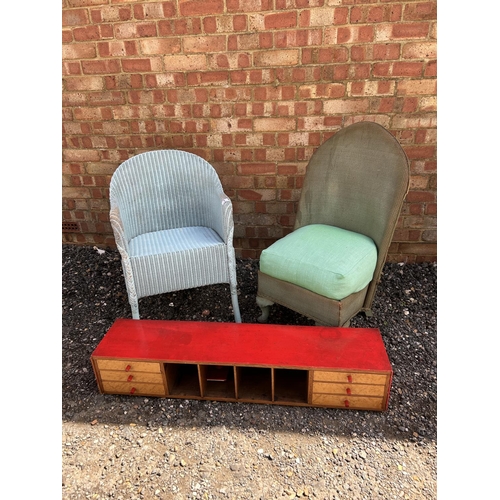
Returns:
point(97, 375)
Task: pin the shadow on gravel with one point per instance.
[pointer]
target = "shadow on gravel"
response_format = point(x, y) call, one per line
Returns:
point(94, 296)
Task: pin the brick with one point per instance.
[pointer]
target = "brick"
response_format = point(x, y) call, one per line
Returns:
point(208, 78)
point(67, 36)
point(256, 168)
point(185, 62)
point(297, 38)
point(426, 136)
point(204, 44)
point(75, 17)
point(321, 16)
point(322, 90)
point(71, 128)
point(253, 195)
point(75, 192)
point(136, 65)
point(160, 46)
point(101, 67)
point(239, 23)
point(276, 58)
point(265, 40)
point(420, 50)
point(106, 98)
point(386, 51)
point(210, 24)
point(80, 155)
point(106, 31)
point(281, 20)
point(79, 51)
point(73, 99)
point(117, 49)
point(376, 14)
point(154, 10)
point(319, 123)
point(430, 69)
point(428, 103)
point(86, 33)
point(346, 106)
point(417, 87)
point(84, 83)
point(420, 152)
point(418, 182)
point(273, 124)
point(429, 235)
point(410, 30)
point(340, 15)
point(86, 3)
point(135, 30)
point(122, 81)
point(246, 42)
point(418, 248)
point(115, 127)
point(407, 69)
point(431, 209)
point(141, 65)
point(420, 11)
point(199, 8)
point(372, 88)
point(383, 105)
point(275, 155)
point(248, 5)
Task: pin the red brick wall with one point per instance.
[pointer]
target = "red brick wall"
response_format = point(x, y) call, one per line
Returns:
point(252, 86)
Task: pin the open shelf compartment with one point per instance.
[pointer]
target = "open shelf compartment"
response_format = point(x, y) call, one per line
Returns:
point(254, 384)
point(182, 380)
point(290, 385)
point(217, 382)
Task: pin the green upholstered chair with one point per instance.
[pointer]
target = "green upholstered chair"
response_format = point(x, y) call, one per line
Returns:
point(329, 266)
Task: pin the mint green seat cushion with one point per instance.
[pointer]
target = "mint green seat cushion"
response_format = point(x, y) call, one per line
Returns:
point(327, 260)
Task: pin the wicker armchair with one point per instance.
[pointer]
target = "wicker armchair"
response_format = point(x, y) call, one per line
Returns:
point(173, 225)
point(328, 268)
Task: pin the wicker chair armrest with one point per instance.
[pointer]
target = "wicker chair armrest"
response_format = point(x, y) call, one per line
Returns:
point(118, 230)
point(227, 218)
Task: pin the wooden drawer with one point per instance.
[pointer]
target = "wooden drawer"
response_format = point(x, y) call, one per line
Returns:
point(128, 366)
point(131, 376)
point(350, 377)
point(352, 402)
point(348, 389)
point(133, 389)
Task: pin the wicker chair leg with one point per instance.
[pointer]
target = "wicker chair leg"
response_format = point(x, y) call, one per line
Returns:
point(265, 307)
point(134, 305)
point(234, 300)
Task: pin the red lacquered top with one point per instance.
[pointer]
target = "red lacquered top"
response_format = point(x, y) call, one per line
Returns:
point(245, 344)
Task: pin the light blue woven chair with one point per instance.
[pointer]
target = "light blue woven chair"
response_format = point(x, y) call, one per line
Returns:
point(173, 225)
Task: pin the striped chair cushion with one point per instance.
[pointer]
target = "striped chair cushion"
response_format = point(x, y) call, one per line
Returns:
point(173, 240)
point(199, 251)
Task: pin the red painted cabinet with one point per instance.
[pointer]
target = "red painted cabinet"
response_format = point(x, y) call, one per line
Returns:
point(245, 362)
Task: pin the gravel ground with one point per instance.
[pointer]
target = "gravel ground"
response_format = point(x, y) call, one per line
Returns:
point(140, 448)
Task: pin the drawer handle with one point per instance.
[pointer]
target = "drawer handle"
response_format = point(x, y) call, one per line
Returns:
point(129, 378)
point(349, 379)
point(347, 390)
point(346, 403)
point(128, 368)
point(132, 390)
